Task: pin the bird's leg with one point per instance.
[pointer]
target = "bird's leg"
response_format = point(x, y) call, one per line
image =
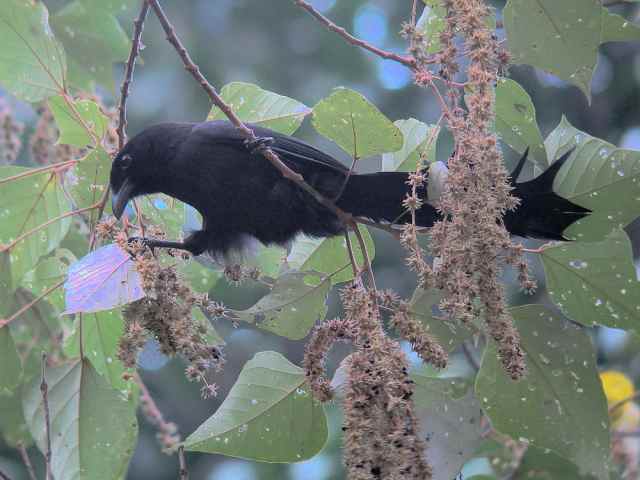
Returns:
point(196, 243)
point(254, 146)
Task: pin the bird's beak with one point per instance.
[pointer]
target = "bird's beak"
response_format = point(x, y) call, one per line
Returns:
point(121, 197)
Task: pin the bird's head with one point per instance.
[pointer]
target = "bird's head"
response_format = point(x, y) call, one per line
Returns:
point(141, 166)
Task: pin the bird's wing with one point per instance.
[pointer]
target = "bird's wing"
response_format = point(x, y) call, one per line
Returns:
point(295, 153)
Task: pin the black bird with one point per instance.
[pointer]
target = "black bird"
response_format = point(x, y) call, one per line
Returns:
point(240, 195)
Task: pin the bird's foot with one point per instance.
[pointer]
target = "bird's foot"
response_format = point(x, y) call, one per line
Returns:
point(259, 144)
point(144, 243)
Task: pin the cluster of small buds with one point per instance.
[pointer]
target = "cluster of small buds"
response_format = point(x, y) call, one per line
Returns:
point(237, 273)
point(167, 434)
point(107, 229)
point(10, 135)
point(381, 437)
point(322, 339)
point(421, 342)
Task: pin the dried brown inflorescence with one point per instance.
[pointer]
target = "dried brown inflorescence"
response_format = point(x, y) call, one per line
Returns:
point(10, 135)
point(471, 243)
point(166, 314)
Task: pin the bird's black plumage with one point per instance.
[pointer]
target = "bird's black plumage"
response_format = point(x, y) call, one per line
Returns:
point(240, 194)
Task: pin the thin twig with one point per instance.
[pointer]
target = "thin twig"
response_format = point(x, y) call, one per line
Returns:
point(184, 472)
point(24, 308)
point(138, 25)
point(4, 476)
point(44, 390)
point(27, 461)
point(352, 258)
point(404, 60)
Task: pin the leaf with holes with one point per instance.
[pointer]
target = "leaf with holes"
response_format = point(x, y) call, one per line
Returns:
point(419, 140)
point(329, 255)
point(450, 417)
point(431, 24)
point(33, 65)
point(267, 109)
point(269, 415)
point(294, 305)
point(594, 283)
point(50, 273)
point(549, 406)
point(101, 334)
point(10, 365)
point(30, 226)
point(102, 280)
point(563, 37)
point(516, 121)
point(597, 176)
point(84, 445)
point(355, 124)
point(80, 123)
point(93, 40)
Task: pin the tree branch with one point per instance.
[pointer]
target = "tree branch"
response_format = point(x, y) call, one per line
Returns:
point(184, 472)
point(138, 26)
point(404, 60)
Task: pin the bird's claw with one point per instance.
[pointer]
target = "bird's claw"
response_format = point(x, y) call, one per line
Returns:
point(257, 145)
point(144, 242)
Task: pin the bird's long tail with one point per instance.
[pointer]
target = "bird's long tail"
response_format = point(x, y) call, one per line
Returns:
point(541, 214)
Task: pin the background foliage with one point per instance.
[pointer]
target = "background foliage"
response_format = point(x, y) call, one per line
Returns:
point(589, 99)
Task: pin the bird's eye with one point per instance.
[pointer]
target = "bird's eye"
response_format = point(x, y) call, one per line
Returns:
point(125, 161)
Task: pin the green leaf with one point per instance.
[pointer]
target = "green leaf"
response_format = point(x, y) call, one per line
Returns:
point(91, 179)
point(539, 464)
point(32, 65)
point(164, 211)
point(93, 427)
point(30, 202)
point(76, 131)
point(355, 124)
point(199, 277)
point(294, 305)
point(93, 39)
point(450, 416)
point(101, 334)
point(212, 336)
point(420, 139)
point(597, 176)
point(49, 272)
point(269, 415)
point(617, 29)
point(562, 37)
point(516, 121)
point(13, 428)
point(10, 365)
point(595, 283)
point(267, 109)
point(329, 255)
point(562, 389)
point(449, 334)
point(431, 24)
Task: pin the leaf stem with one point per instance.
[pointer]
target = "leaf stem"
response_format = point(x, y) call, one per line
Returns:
point(27, 461)
point(44, 390)
point(24, 308)
point(35, 171)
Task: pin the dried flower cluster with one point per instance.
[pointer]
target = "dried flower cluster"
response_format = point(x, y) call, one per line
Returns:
point(471, 239)
point(381, 436)
point(167, 435)
point(10, 135)
point(166, 313)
